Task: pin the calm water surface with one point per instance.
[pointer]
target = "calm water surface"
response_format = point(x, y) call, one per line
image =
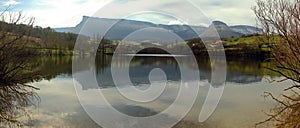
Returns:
point(242, 104)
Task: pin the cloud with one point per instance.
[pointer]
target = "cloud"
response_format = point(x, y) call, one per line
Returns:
point(63, 13)
point(10, 3)
point(175, 22)
point(157, 11)
point(154, 17)
point(231, 11)
point(58, 13)
point(194, 12)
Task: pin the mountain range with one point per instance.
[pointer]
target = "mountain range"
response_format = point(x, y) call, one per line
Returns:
point(123, 29)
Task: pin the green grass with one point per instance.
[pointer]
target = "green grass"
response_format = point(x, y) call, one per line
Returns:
point(243, 40)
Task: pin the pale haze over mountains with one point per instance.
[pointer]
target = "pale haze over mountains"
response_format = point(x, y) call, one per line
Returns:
point(119, 29)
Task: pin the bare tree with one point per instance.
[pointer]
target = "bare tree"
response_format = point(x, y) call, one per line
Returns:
point(280, 20)
point(15, 94)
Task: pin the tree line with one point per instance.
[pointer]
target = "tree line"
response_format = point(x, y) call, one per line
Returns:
point(38, 37)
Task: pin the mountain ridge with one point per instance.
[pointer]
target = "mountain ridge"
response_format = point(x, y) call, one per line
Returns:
point(121, 28)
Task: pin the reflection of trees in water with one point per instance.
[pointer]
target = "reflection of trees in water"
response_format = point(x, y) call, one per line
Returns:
point(15, 94)
point(238, 71)
point(14, 99)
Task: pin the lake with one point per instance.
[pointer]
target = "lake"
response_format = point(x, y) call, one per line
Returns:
point(242, 103)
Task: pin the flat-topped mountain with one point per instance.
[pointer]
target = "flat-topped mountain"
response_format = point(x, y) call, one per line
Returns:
point(120, 29)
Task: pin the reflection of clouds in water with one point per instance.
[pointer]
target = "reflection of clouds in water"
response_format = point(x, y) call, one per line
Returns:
point(59, 106)
point(57, 94)
point(114, 98)
point(95, 104)
point(44, 118)
point(58, 101)
point(80, 119)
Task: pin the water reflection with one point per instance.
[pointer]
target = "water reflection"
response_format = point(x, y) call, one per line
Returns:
point(243, 72)
point(14, 99)
point(238, 70)
point(251, 72)
point(286, 112)
point(16, 92)
point(59, 103)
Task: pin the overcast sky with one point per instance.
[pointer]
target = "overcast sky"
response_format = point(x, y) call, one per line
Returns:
point(64, 13)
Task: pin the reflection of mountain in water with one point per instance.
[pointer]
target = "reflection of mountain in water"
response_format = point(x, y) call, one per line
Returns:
point(140, 68)
point(136, 111)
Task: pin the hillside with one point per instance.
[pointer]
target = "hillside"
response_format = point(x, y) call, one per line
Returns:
point(46, 41)
point(37, 39)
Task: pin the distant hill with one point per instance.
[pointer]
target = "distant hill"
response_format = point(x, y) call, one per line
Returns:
point(224, 31)
point(64, 29)
point(246, 30)
point(122, 28)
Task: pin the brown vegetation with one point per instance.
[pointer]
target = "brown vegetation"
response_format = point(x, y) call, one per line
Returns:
point(280, 20)
point(15, 94)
